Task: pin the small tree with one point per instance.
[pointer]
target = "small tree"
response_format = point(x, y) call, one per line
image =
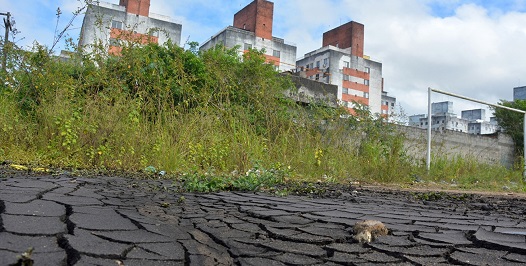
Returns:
point(512, 122)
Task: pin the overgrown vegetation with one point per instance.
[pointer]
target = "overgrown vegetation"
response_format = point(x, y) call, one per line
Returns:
point(512, 122)
point(215, 120)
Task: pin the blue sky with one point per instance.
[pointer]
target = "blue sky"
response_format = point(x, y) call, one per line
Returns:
point(447, 8)
point(470, 47)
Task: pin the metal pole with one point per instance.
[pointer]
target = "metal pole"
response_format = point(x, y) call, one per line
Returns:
point(7, 24)
point(478, 101)
point(429, 120)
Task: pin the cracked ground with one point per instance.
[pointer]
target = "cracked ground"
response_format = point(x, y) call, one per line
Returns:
point(116, 221)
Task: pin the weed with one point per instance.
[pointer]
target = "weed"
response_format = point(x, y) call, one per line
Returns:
point(181, 200)
point(25, 258)
point(204, 183)
point(440, 195)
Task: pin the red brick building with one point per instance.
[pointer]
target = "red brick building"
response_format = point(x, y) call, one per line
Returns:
point(252, 28)
point(341, 61)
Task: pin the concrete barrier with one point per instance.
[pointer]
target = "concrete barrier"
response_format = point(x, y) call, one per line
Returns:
point(493, 149)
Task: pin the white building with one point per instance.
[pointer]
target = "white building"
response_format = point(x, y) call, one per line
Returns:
point(341, 62)
point(443, 118)
point(252, 29)
point(130, 20)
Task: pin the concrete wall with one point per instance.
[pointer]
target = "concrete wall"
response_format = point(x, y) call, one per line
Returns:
point(310, 91)
point(497, 149)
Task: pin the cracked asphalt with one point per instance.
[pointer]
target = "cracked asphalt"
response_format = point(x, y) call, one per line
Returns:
point(70, 220)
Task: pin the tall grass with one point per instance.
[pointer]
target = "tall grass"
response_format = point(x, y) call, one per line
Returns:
point(184, 111)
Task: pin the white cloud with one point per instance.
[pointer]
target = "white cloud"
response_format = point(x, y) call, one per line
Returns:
point(474, 52)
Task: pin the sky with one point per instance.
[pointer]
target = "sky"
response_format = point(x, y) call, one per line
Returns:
point(474, 48)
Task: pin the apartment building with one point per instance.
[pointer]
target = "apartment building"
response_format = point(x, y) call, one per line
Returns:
point(341, 61)
point(388, 104)
point(130, 20)
point(443, 118)
point(519, 93)
point(252, 29)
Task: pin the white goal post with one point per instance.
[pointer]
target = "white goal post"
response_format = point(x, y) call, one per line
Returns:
point(430, 90)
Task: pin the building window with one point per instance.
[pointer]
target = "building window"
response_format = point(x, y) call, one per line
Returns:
point(311, 65)
point(366, 95)
point(367, 70)
point(392, 104)
point(247, 46)
point(366, 82)
point(325, 62)
point(346, 64)
point(277, 54)
point(154, 33)
point(346, 77)
point(345, 91)
point(317, 64)
point(116, 24)
point(317, 76)
point(114, 42)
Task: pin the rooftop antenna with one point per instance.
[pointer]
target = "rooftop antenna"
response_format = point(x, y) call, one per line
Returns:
point(185, 43)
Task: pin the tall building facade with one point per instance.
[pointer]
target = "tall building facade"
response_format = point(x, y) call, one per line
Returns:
point(341, 61)
point(388, 104)
point(519, 93)
point(130, 20)
point(252, 29)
